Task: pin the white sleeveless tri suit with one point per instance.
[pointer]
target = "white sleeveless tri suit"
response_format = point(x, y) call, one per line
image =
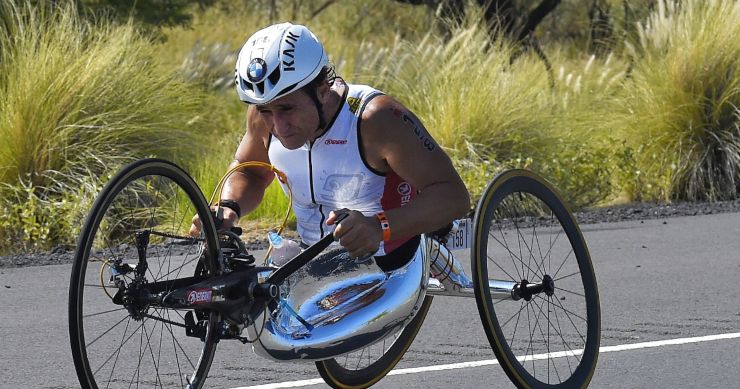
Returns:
point(331, 173)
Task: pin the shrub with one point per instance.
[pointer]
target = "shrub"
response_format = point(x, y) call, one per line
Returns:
point(490, 114)
point(79, 99)
point(681, 102)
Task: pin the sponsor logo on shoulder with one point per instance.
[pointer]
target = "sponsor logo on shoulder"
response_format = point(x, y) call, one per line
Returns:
point(404, 189)
point(199, 296)
point(354, 104)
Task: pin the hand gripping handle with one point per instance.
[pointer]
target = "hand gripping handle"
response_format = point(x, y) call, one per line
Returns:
point(303, 258)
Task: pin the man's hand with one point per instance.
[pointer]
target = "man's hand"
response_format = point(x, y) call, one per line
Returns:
point(360, 235)
point(229, 220)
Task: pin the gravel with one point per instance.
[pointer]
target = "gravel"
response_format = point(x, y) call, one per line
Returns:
point(635, 211)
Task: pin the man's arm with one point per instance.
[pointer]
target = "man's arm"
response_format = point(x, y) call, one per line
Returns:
point(246, 186)
point(395, 139)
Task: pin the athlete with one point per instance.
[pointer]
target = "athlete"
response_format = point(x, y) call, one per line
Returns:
point(344, 148)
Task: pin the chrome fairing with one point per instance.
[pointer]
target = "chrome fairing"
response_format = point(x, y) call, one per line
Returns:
point(335, 305)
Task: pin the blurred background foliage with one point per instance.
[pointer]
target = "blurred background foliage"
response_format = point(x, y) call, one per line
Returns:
point(612, 100)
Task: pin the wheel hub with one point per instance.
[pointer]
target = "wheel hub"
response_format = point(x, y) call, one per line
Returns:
point(134, 300)
point(525, 290)
point(548, 284)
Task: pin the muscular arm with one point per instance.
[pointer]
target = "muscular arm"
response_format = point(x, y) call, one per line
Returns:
point(394, 139)
point(247, 185)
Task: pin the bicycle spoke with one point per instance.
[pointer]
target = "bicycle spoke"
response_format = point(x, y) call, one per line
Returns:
point(531, 255)
point(359, 359)
point(109, 330)
point(137, 370)
point(552, 360)
point(512, 255)
point(552, 244)
point(174, 349)
point(529, 346)
point(565, 344)
point(516, 324)
point(566, 290)
point(569, 275)
point(177, 342)
point(563, 263)
point(549, 249)
point(519, 244)
point(560, 305)
point(159, 346)
point(547, 342)
point(512, 316)
point(117, 350)
point(502, 269)
point(539, 250)
point(178, 270)
point(103, 312)
point(161, 319)
point(151, 354)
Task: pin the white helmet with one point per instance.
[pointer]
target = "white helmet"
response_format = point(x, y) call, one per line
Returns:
point(278, 60)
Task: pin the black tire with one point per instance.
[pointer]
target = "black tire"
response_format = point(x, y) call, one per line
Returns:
point(520, 226)
point(114, 345)
point(365, 367)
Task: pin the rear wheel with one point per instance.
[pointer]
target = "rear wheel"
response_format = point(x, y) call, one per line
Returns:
point(548, 335)
point(365, 367)
point(133, 237)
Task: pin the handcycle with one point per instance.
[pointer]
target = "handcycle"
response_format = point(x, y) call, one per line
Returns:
point(149, 305)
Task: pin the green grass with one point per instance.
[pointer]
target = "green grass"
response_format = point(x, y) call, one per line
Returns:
point(491, 115)
point(656, 119)
point(79, 100)
point(680, 105)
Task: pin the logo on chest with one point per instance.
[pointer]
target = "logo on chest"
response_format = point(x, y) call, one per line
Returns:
point(342, 187)
point(335, 142)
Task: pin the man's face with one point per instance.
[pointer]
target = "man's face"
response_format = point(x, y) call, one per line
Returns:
point(293, 119)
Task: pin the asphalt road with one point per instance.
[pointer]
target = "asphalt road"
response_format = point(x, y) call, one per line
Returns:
point(674, 280)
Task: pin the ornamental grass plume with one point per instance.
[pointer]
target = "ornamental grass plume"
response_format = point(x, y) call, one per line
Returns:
point(681, 102)
point(80, 98)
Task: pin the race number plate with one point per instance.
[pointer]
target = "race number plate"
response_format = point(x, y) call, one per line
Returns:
point(461, 235)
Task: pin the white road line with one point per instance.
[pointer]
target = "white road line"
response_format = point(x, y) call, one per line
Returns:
point(462, 365)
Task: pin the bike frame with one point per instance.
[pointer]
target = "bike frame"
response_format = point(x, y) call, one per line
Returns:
point(448, 277)
point(241, 296)
point(323, 303)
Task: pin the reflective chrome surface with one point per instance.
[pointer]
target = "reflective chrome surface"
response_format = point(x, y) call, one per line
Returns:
point(449, 278)
point(335, 305)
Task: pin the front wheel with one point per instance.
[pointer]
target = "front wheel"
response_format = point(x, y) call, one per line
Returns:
point(546, 333)
point(132, 238)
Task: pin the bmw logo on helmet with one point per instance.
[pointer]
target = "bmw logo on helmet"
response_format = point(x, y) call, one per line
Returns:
point(256, 70)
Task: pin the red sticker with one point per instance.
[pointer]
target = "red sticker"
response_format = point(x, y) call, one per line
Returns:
point(200, 296)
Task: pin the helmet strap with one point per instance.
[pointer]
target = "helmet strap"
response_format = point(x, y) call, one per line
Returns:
point(319, 107)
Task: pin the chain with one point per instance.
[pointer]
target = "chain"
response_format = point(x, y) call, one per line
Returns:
point(179, 237)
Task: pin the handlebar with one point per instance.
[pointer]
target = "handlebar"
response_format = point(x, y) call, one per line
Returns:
point(303, 258)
